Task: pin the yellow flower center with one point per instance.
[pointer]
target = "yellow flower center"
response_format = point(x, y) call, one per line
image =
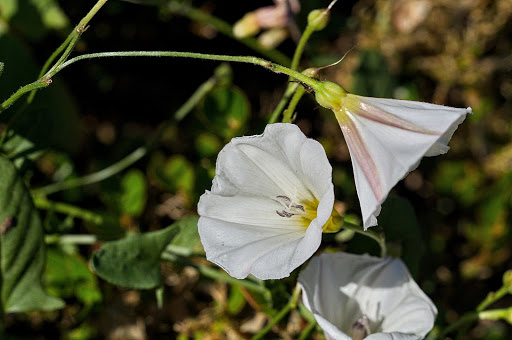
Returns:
point(305, 212)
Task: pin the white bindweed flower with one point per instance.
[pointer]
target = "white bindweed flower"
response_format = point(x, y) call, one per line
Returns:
point(365, 297)
point(387, 139)
point(271, 198)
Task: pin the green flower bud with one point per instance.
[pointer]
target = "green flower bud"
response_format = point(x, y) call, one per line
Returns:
point(318, 19)
point(507, 280)
point(311, 72)
point(247, 26)
point(330, 95)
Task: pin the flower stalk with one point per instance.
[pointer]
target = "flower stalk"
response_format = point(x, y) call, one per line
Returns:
point(376, 236)
point(274, 67)
point(292, 304)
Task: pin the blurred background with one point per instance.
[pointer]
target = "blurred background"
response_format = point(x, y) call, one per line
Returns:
point(455, 53)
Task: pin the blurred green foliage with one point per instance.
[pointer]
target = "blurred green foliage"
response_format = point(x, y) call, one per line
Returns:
point(449, 220)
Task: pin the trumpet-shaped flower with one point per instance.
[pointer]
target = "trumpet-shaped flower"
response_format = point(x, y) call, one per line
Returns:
point(387, 139)
point(364, 297)
point(271, 198)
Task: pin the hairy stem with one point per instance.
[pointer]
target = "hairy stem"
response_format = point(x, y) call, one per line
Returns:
point(378, 237)
point(277, 68)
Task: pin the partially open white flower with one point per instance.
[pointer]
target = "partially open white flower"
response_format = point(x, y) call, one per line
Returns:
point(387, 139)
point(271, 198)
point(365, 297)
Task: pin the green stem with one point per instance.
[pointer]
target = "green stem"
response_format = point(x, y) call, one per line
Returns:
point(496, 314)
point(195, 98)
point(292, 304)
point(55, 54)
point(288, 113)
point(48, 62)
point(305, 333)
point(491, 298)
point(85, 239)
point(68, 209)
point(68, 45)
point(378, 237)
point(299, 50)
point(45, 80)
point(277, 68)
point(290, 90)
point(27, 88)
point(94, 177)
point(182, 8)
point(74, 36)
point(465, 319)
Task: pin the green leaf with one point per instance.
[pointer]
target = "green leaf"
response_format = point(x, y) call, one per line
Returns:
point(134, 193)
point(226, 110)
point(208, 145)
point(68, 275)
point(22, 247)
point(187, 241)
point(398, 220)
point(133, 262)
point(20, 151)
point(34, 17)
point(175, 174)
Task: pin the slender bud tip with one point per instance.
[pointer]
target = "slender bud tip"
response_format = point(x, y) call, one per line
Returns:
point(318, 19)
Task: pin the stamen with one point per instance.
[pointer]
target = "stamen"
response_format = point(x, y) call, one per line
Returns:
point(361, 328)
point(291, 208)
point(286, 198)
point(284, 213)
point(298, 206)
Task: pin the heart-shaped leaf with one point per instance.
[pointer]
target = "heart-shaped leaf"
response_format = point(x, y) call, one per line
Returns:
point(134, 261)
point(22, 247)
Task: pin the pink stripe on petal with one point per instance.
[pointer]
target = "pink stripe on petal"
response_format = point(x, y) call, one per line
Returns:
point(362, 156)
point(372, 112)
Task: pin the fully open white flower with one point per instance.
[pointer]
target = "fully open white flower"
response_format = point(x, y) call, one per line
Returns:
point(387, 139)
point(365, 297)
point(271, 198)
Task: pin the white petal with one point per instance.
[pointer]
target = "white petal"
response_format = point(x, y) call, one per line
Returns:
point(267, 253)
point(240, 226)
point(245, 235)
point(316, 168)
point(387, 138)
point(343, 287)
point(393, 336)
point(268, 164)
point(248, 210)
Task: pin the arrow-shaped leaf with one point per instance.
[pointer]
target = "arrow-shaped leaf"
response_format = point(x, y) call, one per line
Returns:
point(22, 246)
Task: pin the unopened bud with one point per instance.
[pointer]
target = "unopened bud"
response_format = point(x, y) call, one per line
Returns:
point(330, 95)
point(507, 280)
point(247, 26)
point(311, 72)
point(318, 19)
point(273, 37)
